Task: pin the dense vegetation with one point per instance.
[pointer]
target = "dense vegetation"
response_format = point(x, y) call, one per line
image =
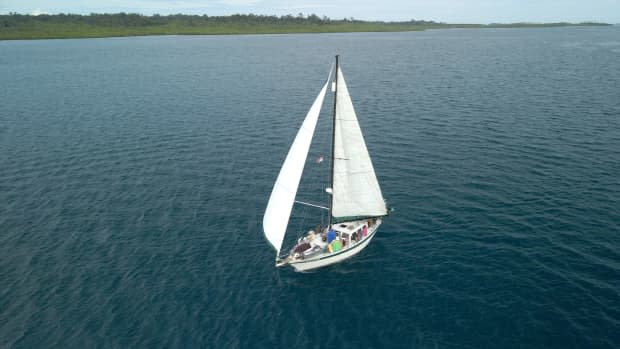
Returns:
point(17, 26)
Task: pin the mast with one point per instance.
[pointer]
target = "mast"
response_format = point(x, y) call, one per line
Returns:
point(331, 198)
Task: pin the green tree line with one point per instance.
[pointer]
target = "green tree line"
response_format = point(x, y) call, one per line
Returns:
point(19, 26)
point(15, 20)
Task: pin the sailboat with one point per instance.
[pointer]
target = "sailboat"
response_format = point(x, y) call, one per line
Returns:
point(356, 205)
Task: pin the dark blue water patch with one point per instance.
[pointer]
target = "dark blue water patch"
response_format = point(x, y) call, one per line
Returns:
point(134, 173)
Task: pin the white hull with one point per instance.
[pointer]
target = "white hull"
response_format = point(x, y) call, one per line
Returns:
point(326, 259)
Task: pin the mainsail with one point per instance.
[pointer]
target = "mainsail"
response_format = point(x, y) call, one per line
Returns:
point(282, 197)
point(356, 192)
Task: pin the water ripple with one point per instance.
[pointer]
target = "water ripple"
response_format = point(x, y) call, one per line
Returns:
point(134, 173)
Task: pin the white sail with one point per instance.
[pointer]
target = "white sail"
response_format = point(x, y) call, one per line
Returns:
point(282, 197)
point(356, 192)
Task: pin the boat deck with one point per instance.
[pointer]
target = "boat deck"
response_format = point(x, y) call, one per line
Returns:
point(343, 240)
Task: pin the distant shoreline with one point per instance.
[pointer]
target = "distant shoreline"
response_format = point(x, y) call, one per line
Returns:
point(68, 26)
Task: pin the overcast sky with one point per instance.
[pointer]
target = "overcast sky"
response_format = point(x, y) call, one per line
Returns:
point(453, 11)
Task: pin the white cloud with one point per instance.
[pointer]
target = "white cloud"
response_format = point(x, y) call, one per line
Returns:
point(239, 2)
point(38, 11)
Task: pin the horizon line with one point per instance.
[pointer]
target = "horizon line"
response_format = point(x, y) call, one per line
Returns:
point(37, 12)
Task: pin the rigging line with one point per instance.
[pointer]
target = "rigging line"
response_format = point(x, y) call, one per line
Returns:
point(323, 171)
point(300, 230)
point(304, 212)
point(313, 205)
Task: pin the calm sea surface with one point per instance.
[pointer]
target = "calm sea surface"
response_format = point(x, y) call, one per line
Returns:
point(134, 173)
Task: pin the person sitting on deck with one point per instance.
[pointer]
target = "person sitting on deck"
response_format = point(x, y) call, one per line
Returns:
point(331, 236)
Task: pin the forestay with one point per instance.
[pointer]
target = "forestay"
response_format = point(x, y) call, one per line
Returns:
point(282, 197)
point(356, 192)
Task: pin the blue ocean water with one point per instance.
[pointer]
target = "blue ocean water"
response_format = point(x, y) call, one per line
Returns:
point(134, 173)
